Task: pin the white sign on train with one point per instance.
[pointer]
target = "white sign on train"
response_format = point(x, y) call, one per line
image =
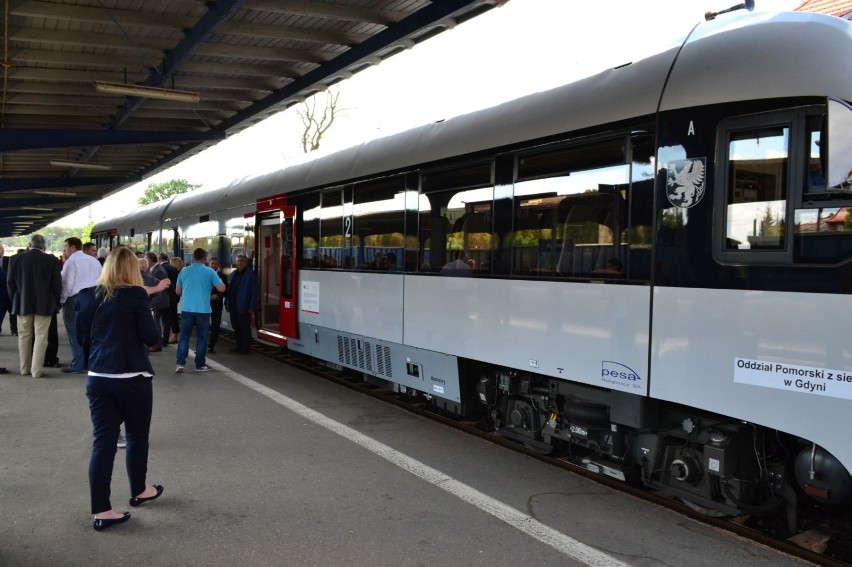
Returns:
point(791, 377)
point(310, 297)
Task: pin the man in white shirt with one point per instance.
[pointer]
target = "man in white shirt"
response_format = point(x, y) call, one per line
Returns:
point(79, 272)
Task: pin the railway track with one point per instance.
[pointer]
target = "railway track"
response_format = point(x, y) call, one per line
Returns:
point(825, 538)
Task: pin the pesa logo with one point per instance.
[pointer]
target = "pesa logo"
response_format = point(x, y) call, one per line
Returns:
point(615, 370)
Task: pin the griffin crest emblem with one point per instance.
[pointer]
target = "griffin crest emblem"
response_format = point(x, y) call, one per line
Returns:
point(685, 181)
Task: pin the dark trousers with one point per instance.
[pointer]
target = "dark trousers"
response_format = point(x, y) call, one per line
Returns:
point(13, 322)
point(51, 355)
point(175, 320)
point(3, 310)
point(164, 319)
point(241, 323)
point(215, 322)
point(111, 402)
point(69, 318)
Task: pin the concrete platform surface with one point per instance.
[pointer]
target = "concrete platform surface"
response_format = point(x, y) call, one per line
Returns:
point(266, 465)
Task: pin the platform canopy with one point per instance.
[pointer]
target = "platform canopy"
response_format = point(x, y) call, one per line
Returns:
point(99, 94)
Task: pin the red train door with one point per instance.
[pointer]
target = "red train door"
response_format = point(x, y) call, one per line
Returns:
point(276, 270)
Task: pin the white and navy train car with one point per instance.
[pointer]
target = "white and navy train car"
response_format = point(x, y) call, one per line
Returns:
point(651, 266)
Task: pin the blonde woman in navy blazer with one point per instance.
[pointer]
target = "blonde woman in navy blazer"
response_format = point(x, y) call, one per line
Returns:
point(116, 326)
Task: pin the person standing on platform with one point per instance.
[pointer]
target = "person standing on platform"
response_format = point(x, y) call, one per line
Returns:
point(169, 316)
point(193, 287)
point(216, 305)
point(162, 302)
point(116, 328)
point(35, 285)
point(79, 272)
point(13, 319)
point(91, 249)
point(5, 300)
point(241, 302)
point(177, 264)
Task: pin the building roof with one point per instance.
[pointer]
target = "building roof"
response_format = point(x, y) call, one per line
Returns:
point(245, 59)
point(839, 8)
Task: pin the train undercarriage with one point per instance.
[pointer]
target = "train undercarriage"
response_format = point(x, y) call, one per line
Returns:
point(716, 465)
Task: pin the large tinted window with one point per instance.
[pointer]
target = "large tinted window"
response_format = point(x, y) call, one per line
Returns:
point(570, 216)
point(456, 225)
point(308, 210)
point(378, 220)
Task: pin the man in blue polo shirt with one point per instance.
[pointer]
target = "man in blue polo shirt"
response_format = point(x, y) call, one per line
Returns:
point(193, 286)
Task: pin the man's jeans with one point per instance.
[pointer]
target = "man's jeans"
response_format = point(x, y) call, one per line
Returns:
point(69, 317)
point(201, 322)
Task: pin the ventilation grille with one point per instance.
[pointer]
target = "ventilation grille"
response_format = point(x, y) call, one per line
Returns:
point(358, 353)
point(383, 361)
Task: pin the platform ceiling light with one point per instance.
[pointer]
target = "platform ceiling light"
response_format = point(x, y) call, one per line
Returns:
point(58, 193)
point(147, 92)
point(79, 164)
point(34, 208)
point(31, 216)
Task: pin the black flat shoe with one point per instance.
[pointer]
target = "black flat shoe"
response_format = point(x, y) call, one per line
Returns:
point(104, 523)
point(139, 501)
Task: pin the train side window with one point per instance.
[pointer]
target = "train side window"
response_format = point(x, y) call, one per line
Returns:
point(309, 212)
point(456, 222)
point(199, 235)
point(822, 232)
point(774, 203)
point(756, 188)
point(571, 211)
point(378, 219)
point(823, 235)
point(336, 233)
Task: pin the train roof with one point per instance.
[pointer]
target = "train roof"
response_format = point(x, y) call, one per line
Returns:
point(739, 56)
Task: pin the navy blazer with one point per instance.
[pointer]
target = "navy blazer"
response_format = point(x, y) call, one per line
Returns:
point(116, 334)
point(243, 298)
point(5, 300)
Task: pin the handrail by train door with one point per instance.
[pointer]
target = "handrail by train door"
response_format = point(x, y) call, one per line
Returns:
point(289, 274)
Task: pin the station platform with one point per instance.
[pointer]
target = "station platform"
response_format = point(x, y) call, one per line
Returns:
point(264, 464)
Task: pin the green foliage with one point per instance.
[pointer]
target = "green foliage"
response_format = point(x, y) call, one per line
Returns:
point(54, 236)
point(159, 191)
point(672, 219)
point(771, 224)
point(86, 234)
point(847, 224)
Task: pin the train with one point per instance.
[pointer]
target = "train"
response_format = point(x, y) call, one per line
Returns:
point(649, 269)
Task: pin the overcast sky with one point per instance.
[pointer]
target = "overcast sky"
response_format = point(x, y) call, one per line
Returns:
point(522, 47)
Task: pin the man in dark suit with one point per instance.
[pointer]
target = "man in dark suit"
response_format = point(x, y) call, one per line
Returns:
point(166, 316)
point(5, 261)
point(5, 302)
point(241, 302)
point(35, 286)
point(217, 304)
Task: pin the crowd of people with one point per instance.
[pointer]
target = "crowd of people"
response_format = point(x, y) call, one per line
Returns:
point(118, 307)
